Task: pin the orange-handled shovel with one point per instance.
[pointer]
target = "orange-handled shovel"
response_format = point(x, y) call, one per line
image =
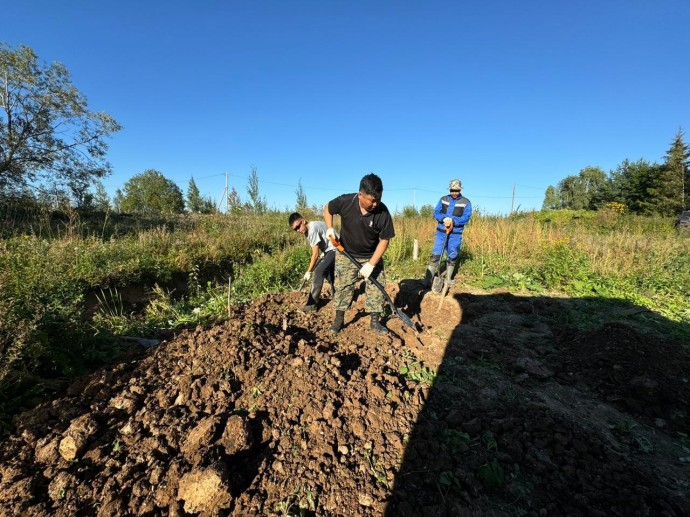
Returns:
point(400, 314)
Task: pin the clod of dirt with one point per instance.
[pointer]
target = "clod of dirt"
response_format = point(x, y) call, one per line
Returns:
point(236, 436)
point(206, 490)
point(199, 439)
point(77, 436)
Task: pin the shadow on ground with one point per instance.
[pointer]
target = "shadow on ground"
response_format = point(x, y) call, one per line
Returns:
point(499, 405)
point(551, 406)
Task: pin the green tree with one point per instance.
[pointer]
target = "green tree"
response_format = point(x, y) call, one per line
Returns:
point(596, 186)
point(572, 194)
point(208, 206)
point(46, 129)
point(117, 201)
point(195, 202)
point(630, 184)
point(301, 205)
point(235, 205)
point(409, 211)
point(672, 186)
point(586, 191)
point(151, 192)
point(427, 211)
point(101, 201)
point(256, 203)
point(552, 199)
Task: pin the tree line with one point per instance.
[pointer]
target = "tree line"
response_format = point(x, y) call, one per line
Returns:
point(53, 150)
point(149, 193)
point(638, 186)
point(152, 192)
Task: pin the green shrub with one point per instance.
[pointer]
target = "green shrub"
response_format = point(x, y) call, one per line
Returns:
point(562, 265)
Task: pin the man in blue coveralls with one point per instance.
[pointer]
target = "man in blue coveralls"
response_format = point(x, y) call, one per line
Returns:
point(452, 213)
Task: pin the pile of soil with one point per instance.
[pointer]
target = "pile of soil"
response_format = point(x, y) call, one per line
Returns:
point(495, 407)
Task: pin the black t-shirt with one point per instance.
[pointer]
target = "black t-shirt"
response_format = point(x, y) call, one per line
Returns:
point(360, 234)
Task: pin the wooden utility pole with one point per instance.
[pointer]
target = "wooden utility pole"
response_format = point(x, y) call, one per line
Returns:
point(512, 203)
point(225, 196)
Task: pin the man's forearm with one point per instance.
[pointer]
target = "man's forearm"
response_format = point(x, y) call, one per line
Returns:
point(379, 251)
point(314, 257)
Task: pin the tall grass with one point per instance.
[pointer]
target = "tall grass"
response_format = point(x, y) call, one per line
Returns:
point(48, 331)
point(639, 258)
point(188, 269)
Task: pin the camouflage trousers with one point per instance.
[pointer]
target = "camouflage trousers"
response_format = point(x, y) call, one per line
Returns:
point(346, 277)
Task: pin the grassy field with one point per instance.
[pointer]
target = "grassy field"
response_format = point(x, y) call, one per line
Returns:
point(68, 291)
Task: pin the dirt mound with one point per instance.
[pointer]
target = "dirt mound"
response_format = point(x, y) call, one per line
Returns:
point(487, 411)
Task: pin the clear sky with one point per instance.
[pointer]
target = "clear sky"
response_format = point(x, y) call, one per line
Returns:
point(508, 96)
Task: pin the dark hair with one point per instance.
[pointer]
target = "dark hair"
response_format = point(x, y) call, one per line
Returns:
point(293, 217)
point(372, 185)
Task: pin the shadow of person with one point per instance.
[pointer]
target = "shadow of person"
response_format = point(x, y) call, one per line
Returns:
point(550, 406)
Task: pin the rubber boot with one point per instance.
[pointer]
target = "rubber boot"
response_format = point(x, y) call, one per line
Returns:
point(431, 270)
point(376, 324)
point(450, 269)
point(338, 321)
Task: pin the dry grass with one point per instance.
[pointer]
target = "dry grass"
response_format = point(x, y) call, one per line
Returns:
point(620, 250)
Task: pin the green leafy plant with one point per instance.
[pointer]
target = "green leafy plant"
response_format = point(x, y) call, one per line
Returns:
point(413, 370)
point(489, 441)
point(298, 503)
point(377, 470)
point(447, 481)
point(257, 391)
point(491, 474)
point(455, 438)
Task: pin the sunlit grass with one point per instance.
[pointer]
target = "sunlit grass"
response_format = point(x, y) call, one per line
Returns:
point(46, 330)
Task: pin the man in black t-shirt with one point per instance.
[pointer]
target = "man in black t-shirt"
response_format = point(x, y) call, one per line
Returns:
point(366, 226)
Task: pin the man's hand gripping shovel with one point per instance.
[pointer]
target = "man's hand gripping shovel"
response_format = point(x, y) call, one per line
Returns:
point(305, 281)
point(400, 314)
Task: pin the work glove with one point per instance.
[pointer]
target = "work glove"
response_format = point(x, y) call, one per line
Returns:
point(366, 270)
point(307, 276)
point(330, 234)
point(447, 222)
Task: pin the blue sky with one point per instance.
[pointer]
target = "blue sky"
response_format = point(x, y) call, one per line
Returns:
point(505, 95)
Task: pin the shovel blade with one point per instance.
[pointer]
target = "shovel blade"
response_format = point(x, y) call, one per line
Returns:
point(405, 318)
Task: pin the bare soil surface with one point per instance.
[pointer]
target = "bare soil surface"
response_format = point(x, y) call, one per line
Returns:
point(499, 405)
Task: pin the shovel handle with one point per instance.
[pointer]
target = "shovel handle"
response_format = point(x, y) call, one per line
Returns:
point(342, 250)
point(337, 244)
point(405, 319)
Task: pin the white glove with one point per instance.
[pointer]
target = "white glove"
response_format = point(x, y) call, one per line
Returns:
point(307, 276)
point(366, 270)
point(447, 222)
point(330, 234)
